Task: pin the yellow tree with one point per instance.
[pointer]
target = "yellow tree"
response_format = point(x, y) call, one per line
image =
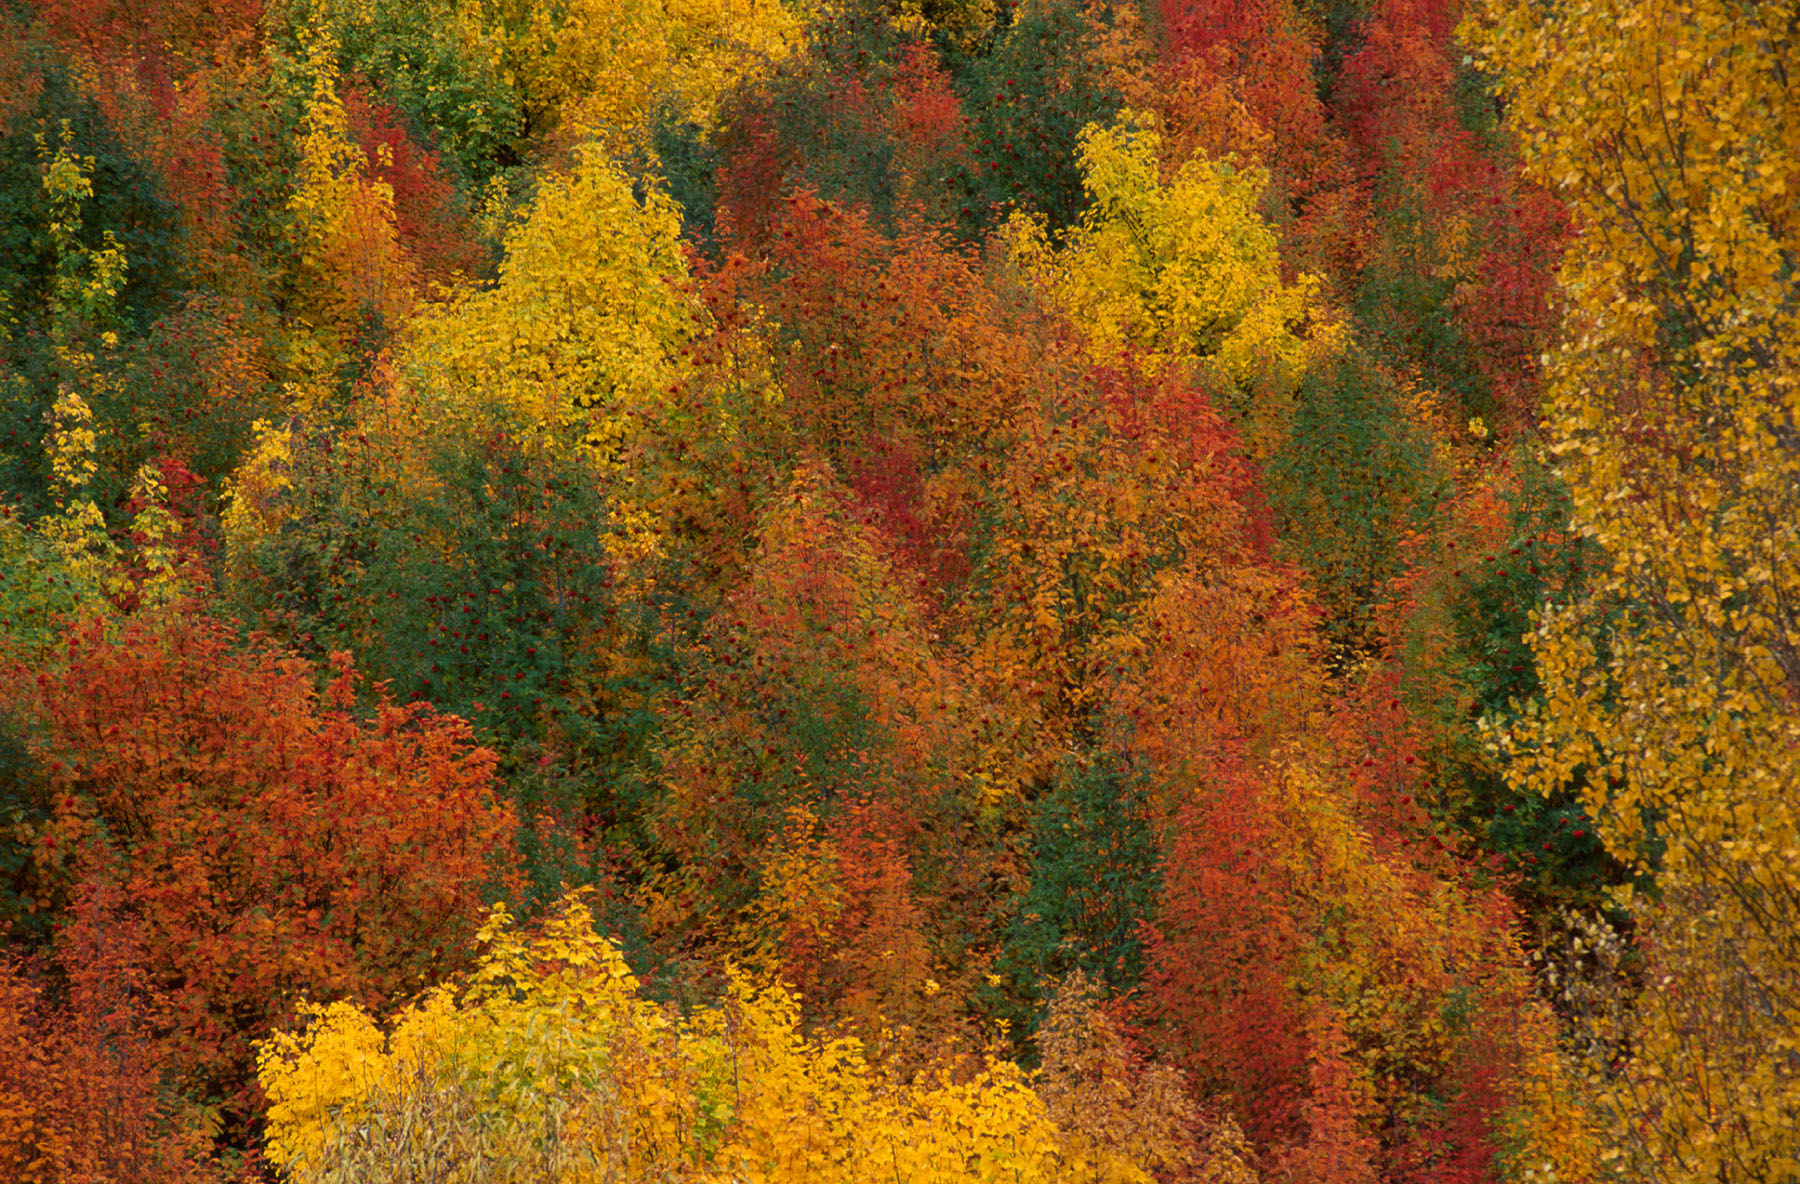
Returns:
point(1673, 688)
point(352, 268)
point(585, 327)
point(578, 340)
point(609, 68)
point(1183, 271)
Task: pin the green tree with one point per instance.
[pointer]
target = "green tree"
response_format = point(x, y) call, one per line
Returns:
point(1355, 477)
point(1095, 879)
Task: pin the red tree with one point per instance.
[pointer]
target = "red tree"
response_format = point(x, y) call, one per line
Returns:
point(83, 1080)
point(258, 840)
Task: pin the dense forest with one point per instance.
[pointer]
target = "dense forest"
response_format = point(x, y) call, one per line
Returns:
point(916, 590)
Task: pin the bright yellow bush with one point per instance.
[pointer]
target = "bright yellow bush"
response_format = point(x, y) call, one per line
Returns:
point(546, 1057)
point(547, 1063)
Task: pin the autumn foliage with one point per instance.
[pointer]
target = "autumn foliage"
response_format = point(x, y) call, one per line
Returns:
point(84, 1094)
point(935, 589)
point(248, 836)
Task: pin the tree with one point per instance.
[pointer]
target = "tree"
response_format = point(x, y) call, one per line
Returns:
point(443, 71)
point(1249, 78)
point(817, 785)
point(1462, 247)
point(583, 329)
point(255, 837)
point(866, 118)
point(1060, 66)
point(1328, 972)
point(1356, 476)
point(608, 70)
point(88, 1073)
point(1185, 273)
point(1094, 880)
point(1671, 682)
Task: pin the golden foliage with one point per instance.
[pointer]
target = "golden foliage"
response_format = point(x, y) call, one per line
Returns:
point(584, 328)
point(547, 1063)
point(1184, 272)
point(609, 68)
point(1674, 408)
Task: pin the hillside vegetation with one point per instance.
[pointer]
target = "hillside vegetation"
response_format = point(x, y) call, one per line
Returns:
point(925, 590)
